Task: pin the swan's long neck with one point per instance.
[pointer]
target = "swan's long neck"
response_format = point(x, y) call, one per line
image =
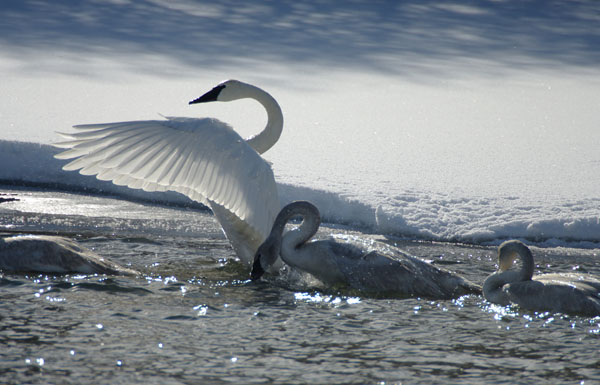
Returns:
point(264, 140)
point(507, 253)
point(307, 229)
point(492, 286)
point(277, 244)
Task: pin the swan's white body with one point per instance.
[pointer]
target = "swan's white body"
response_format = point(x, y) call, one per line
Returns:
point(558, 293)
point(381, 272)
point(50, 254)
point(204, 159)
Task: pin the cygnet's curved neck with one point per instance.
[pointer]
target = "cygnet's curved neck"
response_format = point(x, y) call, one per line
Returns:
point(509, 251)
point(264, 140)
point(492, 286)
point(307, 229)
point(277, 245)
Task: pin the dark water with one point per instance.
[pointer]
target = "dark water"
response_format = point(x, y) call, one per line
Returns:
point(193, 317)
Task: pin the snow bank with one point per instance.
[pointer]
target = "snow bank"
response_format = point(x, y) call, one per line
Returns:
point(414, 215)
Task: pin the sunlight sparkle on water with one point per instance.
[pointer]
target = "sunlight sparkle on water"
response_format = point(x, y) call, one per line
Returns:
point(39, 361)
point(167, 280)
point(54, 299)
point(201, 309)
point(460, 301)
point(501, 312)
point(319, 298)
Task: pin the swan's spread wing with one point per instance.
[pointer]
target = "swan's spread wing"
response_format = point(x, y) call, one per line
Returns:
point(204, 159)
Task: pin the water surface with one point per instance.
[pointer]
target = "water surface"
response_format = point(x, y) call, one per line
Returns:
point(194, 317)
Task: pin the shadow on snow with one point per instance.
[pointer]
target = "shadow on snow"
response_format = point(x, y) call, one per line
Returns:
point(400, 37)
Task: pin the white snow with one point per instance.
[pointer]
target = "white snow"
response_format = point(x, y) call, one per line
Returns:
point(472, 123)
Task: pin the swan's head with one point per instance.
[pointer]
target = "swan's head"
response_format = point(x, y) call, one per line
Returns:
point(225, 91)
point(265, 257)
point(506, 260)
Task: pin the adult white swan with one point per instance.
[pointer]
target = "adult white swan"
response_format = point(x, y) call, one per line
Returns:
point(558, 293)
point(204, 159)
point(52, 254)
point(381, 272)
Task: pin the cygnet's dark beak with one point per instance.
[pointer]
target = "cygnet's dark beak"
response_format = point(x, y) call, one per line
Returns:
point(210, 96)
point(257, 269)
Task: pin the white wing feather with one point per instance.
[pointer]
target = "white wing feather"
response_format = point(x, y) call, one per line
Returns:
point(204, 159)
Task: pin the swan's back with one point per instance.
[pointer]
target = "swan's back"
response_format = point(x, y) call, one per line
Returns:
point(51, 254)
point(559, 293)
point(402, 274)
point(384, 272)
point(583, 282)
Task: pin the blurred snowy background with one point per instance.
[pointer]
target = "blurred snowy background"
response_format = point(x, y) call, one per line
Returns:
point(463, 121)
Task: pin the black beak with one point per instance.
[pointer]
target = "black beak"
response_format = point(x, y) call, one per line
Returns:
point(257, 270)
point(210, 96)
